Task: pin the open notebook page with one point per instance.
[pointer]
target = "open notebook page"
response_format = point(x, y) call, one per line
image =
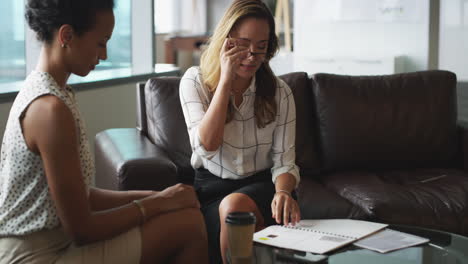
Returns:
point(342, 227)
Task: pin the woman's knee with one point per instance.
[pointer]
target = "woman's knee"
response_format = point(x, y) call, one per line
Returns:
point(236, 202)
point(192, 222)
point(168, 233)
point(239, 202)
point(188, 221)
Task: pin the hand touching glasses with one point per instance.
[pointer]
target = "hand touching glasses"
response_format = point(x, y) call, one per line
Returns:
point(242, 42)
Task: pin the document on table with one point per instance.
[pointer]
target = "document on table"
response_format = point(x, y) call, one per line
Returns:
point(317, 236)
point(388, 240)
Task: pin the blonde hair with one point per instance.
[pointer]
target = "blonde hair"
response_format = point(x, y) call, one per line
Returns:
point(265, 80)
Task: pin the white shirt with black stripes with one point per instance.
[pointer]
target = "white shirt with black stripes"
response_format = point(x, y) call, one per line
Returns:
point(246, 149)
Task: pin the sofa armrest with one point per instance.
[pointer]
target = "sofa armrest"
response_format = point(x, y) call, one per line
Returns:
point(128, 160)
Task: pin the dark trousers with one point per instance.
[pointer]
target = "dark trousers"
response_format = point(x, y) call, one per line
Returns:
point(211, 190)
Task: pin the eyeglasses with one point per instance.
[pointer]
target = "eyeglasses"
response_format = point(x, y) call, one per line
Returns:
point(247, 44)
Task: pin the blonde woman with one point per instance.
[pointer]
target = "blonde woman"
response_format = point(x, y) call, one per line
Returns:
point(241, 123)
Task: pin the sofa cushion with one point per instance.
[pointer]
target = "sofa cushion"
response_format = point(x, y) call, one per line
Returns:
point(387, 122)
point(306, 129)
point(166, 124)
point(407, 197)
point(317, 202)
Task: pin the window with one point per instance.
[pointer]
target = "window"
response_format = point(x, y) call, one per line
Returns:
point(180, 16)
point(12, 49)
point(130, 50)
point(453, 52)
point(453, 48)
point(164, 19)
point(119, 47)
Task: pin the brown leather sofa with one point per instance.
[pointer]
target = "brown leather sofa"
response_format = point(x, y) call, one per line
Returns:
point(381, 148)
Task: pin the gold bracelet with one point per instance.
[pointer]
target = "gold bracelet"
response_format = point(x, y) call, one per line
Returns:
point(142, 210)
point(284, 191)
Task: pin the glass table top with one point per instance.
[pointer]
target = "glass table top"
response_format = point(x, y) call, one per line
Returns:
point(443, 247)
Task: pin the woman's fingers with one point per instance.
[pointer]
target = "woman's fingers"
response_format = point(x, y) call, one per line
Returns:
point(237, 52)
point(285, 209)
point(279, 208)
point(231, 56)
point(273, 208)
point(295, 213)
point(226, 45)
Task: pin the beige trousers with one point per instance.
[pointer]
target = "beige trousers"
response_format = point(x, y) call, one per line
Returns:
point(54, 246)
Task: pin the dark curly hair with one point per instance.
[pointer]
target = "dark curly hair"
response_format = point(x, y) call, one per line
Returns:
point(46, 16)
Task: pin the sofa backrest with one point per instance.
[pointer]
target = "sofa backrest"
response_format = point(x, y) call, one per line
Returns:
point(160, 117)
point(307, 155)
point(382, 122)
point(165, 123)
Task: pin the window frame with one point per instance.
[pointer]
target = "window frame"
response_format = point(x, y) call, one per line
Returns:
point(143, 51)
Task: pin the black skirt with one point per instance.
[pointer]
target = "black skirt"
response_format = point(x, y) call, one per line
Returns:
point(211, 190)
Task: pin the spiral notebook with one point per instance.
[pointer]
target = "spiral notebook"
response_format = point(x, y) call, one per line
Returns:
point(317, 236)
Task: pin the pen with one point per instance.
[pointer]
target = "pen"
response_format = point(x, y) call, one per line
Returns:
point(433, 178)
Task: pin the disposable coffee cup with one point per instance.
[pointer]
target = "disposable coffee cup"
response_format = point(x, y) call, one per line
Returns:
point(240, 227)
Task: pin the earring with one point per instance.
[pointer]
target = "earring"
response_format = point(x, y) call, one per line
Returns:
point(64, 45)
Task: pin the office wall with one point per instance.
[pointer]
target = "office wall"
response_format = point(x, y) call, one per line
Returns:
point(454, 37)
point(216, 8)
point(359, 29)
point(102, 108)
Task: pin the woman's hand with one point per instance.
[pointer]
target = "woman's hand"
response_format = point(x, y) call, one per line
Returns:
point(230, 59)
point(285, 209)
point(177, 197)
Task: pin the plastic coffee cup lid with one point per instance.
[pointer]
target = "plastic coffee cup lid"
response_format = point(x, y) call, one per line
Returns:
point(240, 218)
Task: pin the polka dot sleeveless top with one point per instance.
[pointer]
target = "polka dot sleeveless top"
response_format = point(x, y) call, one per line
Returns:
point(25, 202)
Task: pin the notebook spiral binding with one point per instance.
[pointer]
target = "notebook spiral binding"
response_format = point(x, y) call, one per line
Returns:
point(320, 232)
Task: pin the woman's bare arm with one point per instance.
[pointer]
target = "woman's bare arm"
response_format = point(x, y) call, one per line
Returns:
point(211, 128)
point(49, 130)
point(102, 199)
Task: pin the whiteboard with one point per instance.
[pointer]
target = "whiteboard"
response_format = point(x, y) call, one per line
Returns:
point(325, 29)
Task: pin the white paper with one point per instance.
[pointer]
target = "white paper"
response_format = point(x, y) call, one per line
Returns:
point(389, 240)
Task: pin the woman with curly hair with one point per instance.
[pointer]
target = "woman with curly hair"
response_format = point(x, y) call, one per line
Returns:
point(49, 210)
